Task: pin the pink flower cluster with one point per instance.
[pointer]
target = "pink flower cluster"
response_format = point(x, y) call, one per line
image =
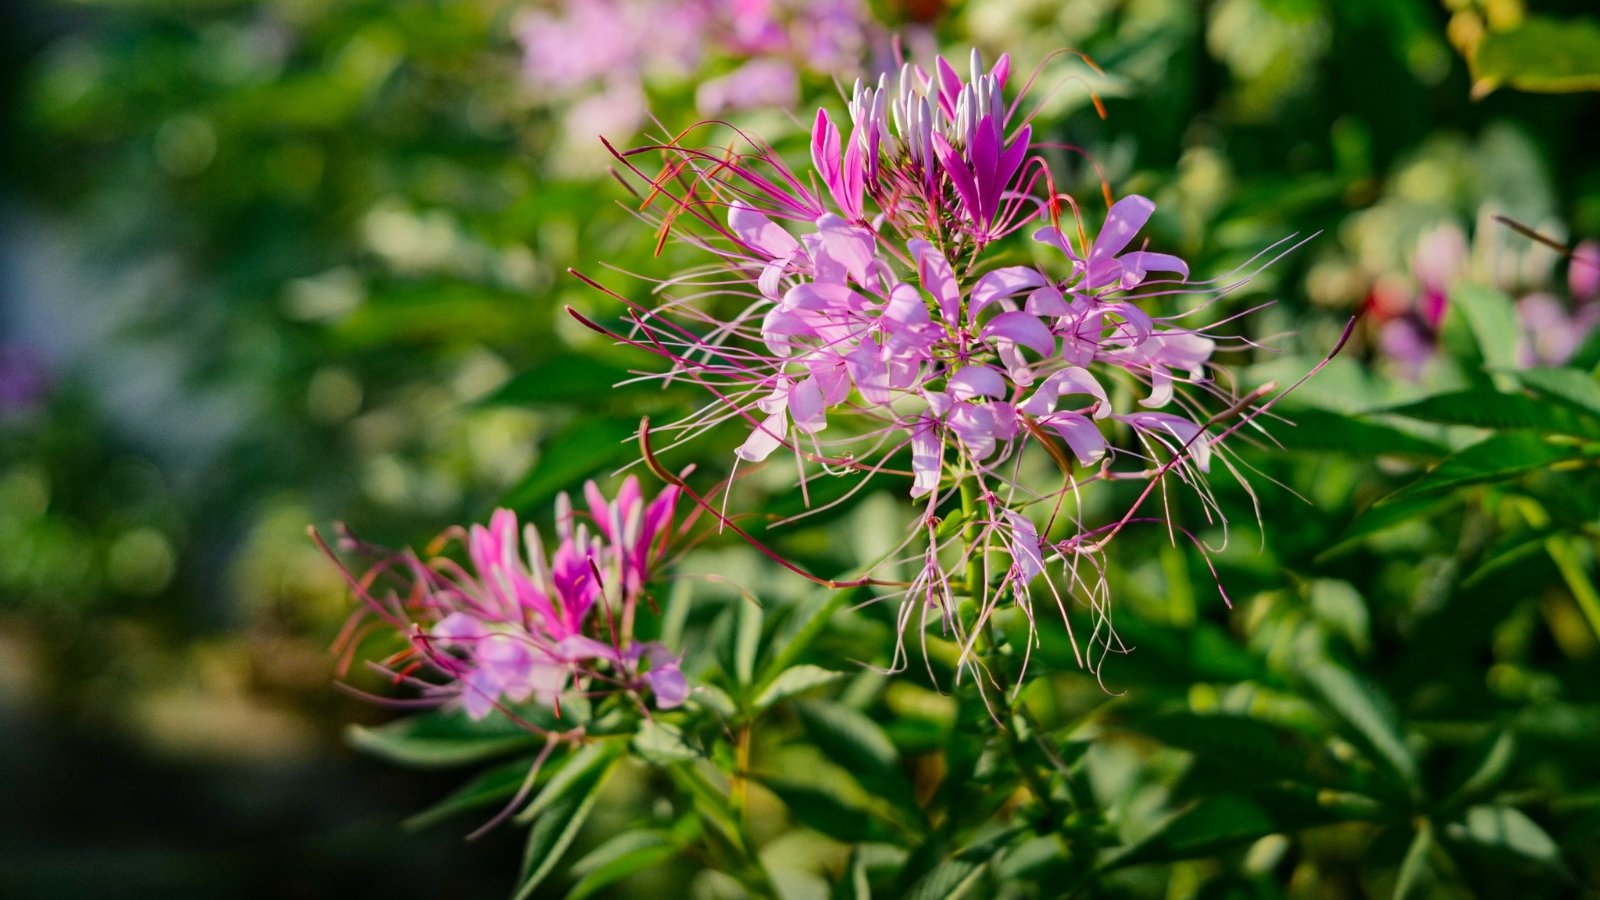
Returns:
point(599, 55)
point(1553, 328)
point(865, 311)
point(515, 625)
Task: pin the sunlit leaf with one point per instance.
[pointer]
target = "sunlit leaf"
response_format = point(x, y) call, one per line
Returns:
point(794, 681)
point(1493, 410)
point(629, 852)
point(857, 743)
point(1540, 54)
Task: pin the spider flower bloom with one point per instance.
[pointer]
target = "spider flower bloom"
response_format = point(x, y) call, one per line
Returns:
point(867, 326)
point(516, 625)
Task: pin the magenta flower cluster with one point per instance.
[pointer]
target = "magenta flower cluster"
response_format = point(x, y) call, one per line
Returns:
point(870, 310)
point(516, 625)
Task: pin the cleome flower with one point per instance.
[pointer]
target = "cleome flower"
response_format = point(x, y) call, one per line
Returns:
point(514, 625)
point(869, 317)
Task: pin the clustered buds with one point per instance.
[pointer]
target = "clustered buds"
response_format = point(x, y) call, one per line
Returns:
point(516, 625)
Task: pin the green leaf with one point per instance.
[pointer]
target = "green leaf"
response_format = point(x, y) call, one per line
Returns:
point(1497, 411)
point(574, 772)
point(441, 740)
point(1509, 830)
point(1574, 389)
point(1371, 717)
point(1487, 768)
point(1209, 825)
point(1491, 319)
point(1320, 429)
point(1237, 741)
point(793, 681)
point(496, 785)
point(1418, 877)
point(1497, 458)
point(662, 744)
point(801, 628)
point(857, 743)
point(1383, 515)
point(949, 880)
point(747, 643)
point(560, 380)
point(616, 859)
point(554, 831)
point(824, 809)
point(1540, 54)
point(582, 450)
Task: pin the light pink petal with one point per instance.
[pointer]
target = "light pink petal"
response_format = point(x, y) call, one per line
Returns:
point(977, 381)
point(937, 279)
point(767, 437)
point(1021, 328)
point(1002, 283)
point(760, 232)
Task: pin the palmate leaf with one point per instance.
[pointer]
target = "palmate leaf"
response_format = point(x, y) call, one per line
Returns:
point(559, 822)
point(498, 785)
point(629, 852)
point(1497, 458)
point(441, 739)
point(1205, 827)
point(794, 681)
point(827, 810)
point(1500, 412)
point(1372, 720)
point(1236, 741)
point(856, 743)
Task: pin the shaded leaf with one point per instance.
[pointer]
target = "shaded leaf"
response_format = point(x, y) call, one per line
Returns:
point(1237, 741)
point(1417, 876)
point(1371, 718)
point(584, 449)
point(822, 808)
point(616, 859)
point(1319, 429)
point(438, 740)
point(499, 784)
point(1494, 410)
point(948, 880)
point(1496, 458)
point(560, 380)
point(857, 743)
point(554, 831)
point(747, 642)
point(1207, 826)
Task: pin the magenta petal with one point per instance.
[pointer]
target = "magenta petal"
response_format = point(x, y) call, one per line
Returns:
point(937, 279)
point(1123, 222)
point(1139, 263)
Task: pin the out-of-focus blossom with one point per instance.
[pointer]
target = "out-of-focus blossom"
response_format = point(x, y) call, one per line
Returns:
point(1552, 328)
point(517, 624)
point(596, 58)
point(24, 379)
point(878, 330)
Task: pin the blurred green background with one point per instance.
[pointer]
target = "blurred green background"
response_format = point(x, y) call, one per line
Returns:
point(267, 264)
